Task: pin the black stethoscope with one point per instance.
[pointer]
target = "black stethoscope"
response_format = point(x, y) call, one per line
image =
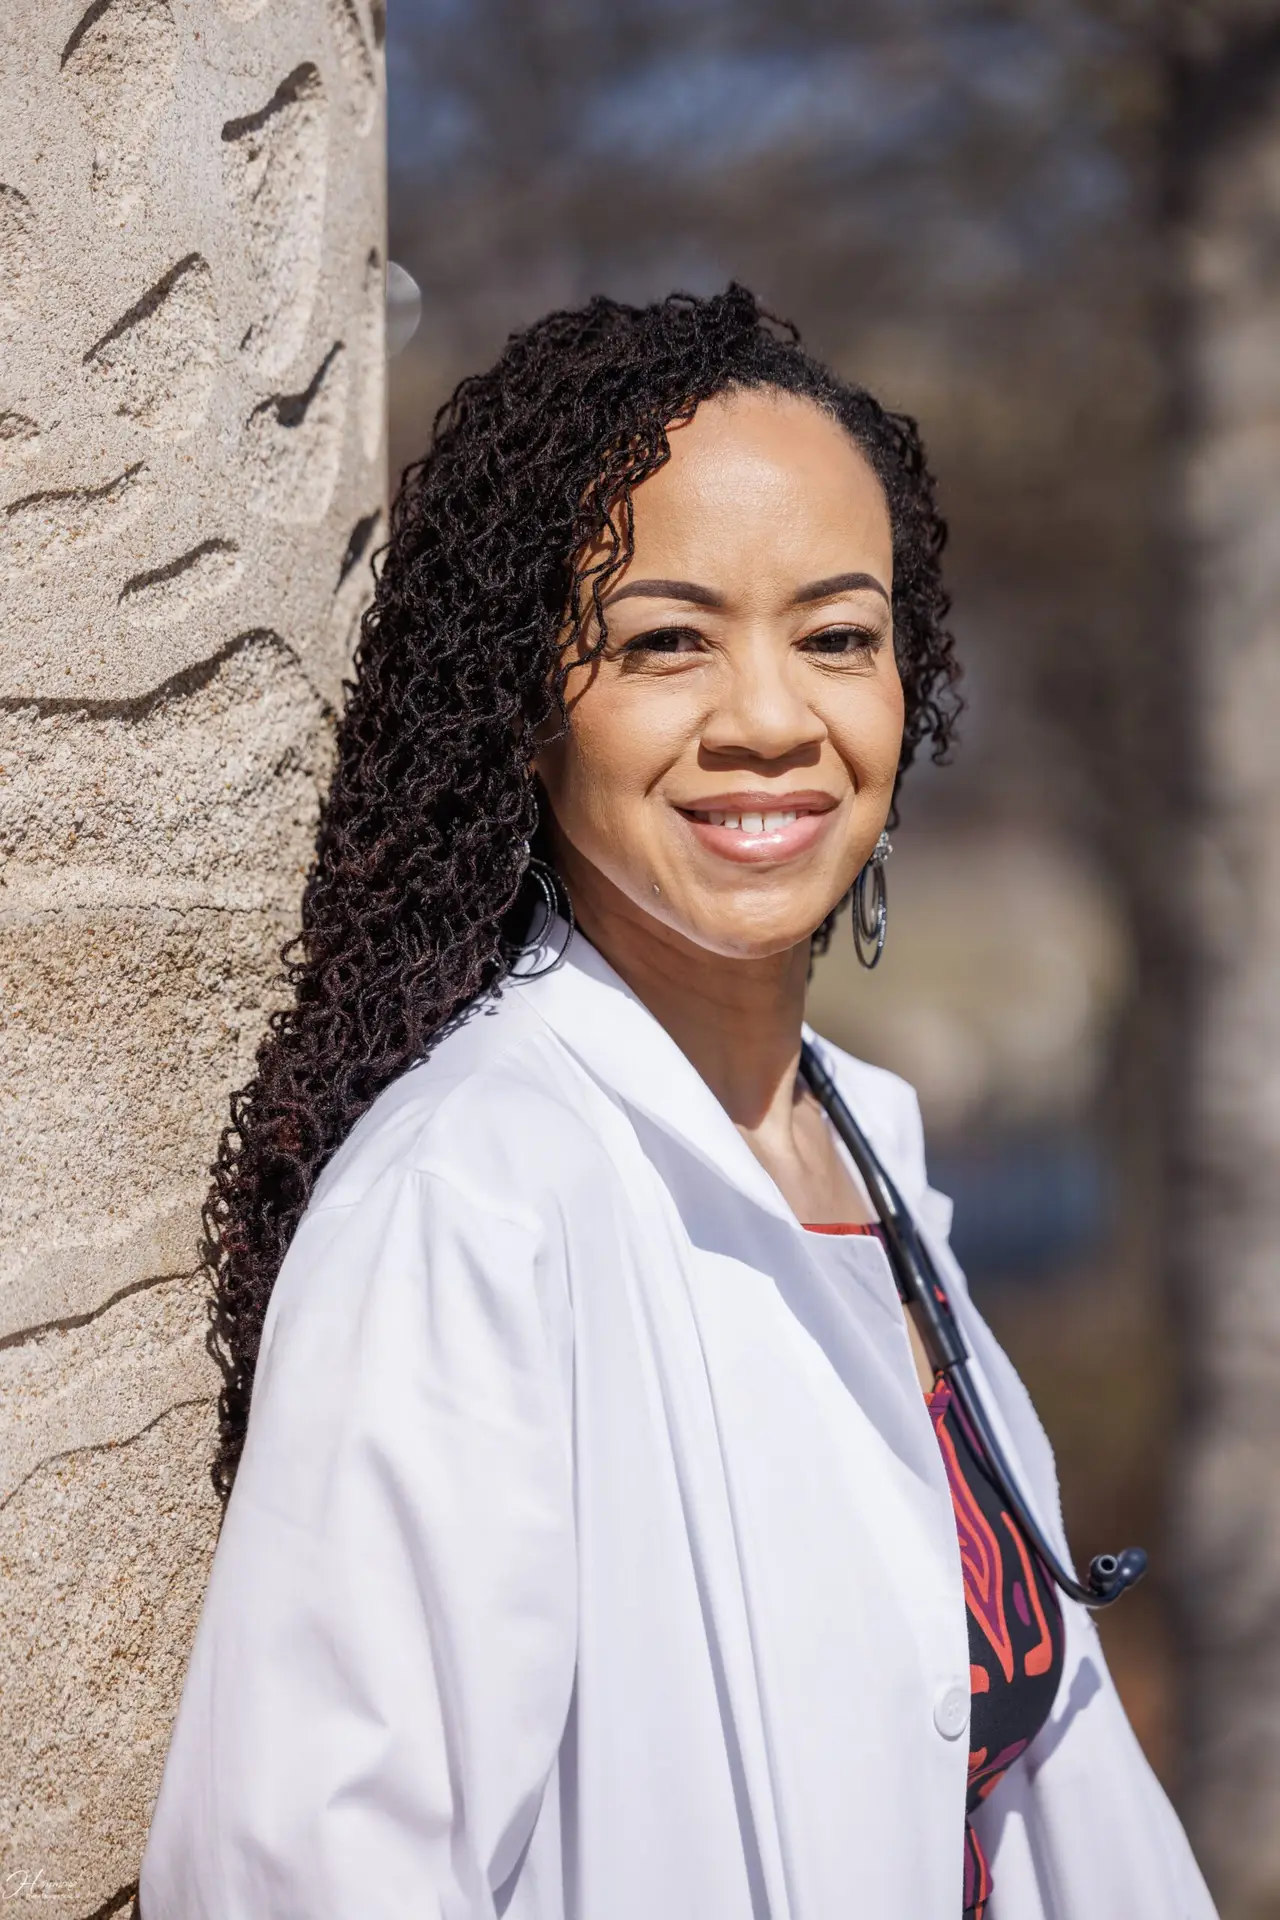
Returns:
point(919, 1287)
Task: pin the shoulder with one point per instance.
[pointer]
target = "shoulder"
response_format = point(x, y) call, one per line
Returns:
point(498, 1109)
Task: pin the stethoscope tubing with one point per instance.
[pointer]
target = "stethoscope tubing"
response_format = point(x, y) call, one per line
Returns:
point(919, 1287)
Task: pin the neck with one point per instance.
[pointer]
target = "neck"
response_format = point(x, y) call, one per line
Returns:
point(737, 1020)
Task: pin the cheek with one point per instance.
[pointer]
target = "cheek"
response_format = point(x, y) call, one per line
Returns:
point(617, 746)
point(622, 740)
point(895, 717)
point(867, 731)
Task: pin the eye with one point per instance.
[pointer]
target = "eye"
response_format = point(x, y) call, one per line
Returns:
point(665, 640)
point(843, 642)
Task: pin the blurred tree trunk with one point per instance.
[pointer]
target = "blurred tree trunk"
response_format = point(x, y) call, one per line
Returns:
point(1225, 178)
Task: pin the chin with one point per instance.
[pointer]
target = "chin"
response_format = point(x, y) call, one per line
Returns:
point(749, 938)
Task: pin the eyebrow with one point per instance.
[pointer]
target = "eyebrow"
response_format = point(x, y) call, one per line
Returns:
point(691, 594)
point(841, 583)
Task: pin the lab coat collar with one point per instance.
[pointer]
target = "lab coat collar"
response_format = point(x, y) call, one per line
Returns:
point(613, 1034)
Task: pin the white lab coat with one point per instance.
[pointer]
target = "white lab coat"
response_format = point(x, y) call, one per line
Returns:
point(592, 1558)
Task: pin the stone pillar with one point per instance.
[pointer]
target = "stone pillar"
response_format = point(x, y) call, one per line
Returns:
point(191, 484)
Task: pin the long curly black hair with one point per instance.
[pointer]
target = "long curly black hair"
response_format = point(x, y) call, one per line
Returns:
point(410, 907)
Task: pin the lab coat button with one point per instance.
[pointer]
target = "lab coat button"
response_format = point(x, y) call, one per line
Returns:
point(951, 1712)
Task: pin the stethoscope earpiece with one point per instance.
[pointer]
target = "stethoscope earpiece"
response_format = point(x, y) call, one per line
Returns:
point(919, 1287)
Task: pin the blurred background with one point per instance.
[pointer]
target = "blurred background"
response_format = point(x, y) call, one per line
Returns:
point(1050, 229)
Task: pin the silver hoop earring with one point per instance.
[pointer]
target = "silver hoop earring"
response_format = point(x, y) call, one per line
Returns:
point(871, 906)
point(554, 903)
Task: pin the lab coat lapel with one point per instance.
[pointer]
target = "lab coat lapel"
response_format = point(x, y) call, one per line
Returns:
point(630, 1054)
point(617, 1039)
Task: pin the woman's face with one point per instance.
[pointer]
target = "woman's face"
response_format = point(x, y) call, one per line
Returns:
point(731, 756)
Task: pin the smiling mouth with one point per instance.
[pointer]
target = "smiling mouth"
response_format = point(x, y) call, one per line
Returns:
point(745, 822)
point(743, 828)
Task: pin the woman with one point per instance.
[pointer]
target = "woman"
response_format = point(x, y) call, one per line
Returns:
point(602, 1545)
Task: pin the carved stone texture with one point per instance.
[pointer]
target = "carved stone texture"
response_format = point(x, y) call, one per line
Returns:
point(187, 509)
point(119, 65)
point(139, 848)
point(143, 343)
point(44, 529)
point(16, 249)
point(158, 363)
point(373, 355)
point(350, 597)
point(104, 1553)
point(102, 1381)
point(275, 165)
point(124, 1031)
point(203, 796)
point(358, 59)
point(293, 444)
point(19, 439)
point(168, 594)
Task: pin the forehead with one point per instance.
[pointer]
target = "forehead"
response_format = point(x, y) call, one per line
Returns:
point(767, 481)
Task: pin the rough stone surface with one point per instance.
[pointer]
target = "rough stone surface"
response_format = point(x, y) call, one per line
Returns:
point(119, 66)
point(99, 1383)
point(158, 363)
point(293, 444)
point(188, 205)
point(126, 1029)
point(104, 1553)
point(191, 486)
point(275, 169)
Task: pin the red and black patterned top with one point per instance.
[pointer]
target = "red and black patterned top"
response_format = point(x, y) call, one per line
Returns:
point(1015, 1621)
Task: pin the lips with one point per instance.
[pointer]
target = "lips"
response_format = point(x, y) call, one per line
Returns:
point(753, 828)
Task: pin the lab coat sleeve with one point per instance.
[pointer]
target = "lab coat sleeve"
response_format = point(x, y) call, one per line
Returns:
point(383, 1668)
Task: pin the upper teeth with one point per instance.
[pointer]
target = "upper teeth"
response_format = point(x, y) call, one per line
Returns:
point(752, 822)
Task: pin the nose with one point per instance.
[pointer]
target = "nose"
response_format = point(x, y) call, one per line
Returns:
point(762, 712)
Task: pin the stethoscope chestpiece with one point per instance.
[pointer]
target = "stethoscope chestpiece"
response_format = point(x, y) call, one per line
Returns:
point(1111, 1574)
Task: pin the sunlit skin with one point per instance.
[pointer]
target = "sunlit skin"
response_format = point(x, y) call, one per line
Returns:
point(749, 673)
